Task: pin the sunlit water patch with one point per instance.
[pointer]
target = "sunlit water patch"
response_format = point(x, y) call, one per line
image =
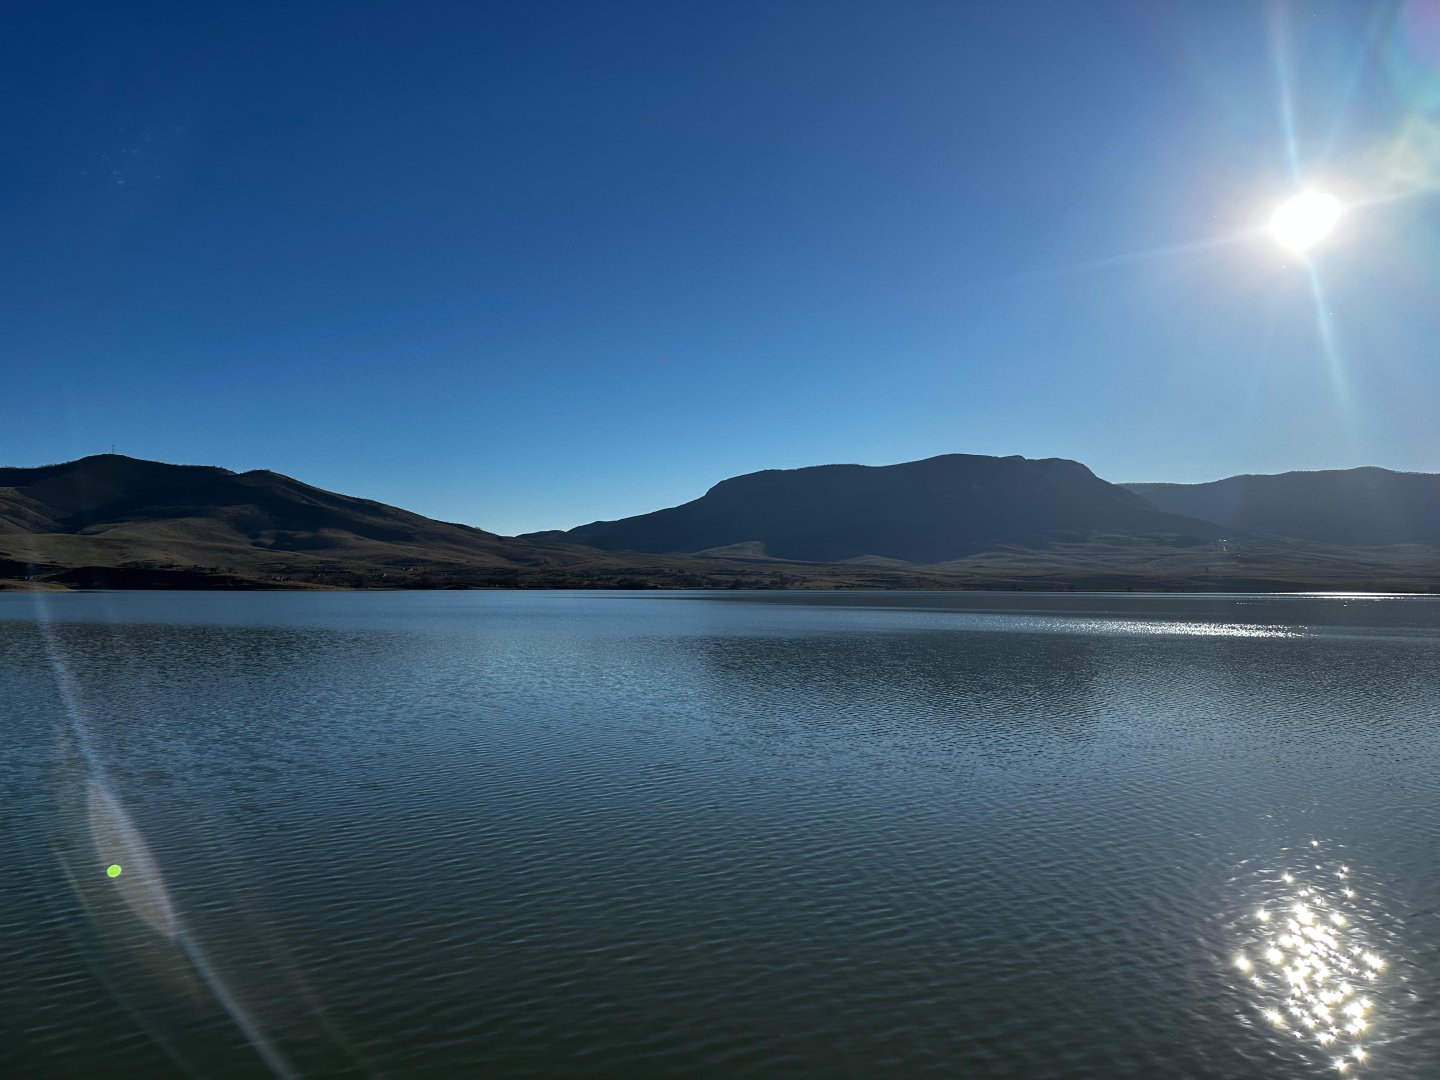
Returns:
point(1178, 628)
point(1310, 963)
point(1122, 627)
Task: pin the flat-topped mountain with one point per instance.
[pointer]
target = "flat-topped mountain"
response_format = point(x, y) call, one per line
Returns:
point(919, 512)
point(1366, 506)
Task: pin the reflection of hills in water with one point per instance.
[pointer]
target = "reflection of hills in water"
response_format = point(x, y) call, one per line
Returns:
point(1312, 960)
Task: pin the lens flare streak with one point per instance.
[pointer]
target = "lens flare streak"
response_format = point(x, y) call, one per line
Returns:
point(113, 831)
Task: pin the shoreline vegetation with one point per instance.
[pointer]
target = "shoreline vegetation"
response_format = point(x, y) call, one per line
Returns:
point(1027, 571)
point(957, 522)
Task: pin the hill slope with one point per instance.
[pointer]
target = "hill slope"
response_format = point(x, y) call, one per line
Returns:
point(918, 512)
point(1365, 506)
point(117, 497)
point(115, 520)
point(111, 521)
point(951, 522)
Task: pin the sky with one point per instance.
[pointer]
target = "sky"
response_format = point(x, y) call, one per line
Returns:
point(530, 265)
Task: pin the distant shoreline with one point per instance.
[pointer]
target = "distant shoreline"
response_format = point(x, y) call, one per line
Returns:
point(1228, 588)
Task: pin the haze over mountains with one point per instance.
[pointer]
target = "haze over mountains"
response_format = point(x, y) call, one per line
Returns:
point(954, 521)
point(1365, 506)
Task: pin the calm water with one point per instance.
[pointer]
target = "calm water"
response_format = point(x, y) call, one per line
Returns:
point(628, 835)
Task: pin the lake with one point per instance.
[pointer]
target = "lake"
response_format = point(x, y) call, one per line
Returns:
point(719, 834)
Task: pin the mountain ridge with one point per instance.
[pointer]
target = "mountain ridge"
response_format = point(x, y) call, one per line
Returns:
point(1366, 506)
point(952, 521)
point(926, 511)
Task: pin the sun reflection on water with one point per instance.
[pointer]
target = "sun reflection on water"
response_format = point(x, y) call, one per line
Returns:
point(1309, 967)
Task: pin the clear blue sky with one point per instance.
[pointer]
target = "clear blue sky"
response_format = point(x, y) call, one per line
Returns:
point(526, 265)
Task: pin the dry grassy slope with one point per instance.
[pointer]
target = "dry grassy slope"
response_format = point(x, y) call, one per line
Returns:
point(112, 511)
point(117, 522)
point(1259, 563)
point(110, 520)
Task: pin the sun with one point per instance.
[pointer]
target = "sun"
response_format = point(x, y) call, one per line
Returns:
point(1303, 221)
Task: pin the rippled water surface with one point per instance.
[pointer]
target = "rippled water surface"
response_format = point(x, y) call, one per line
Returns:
point(788, 834)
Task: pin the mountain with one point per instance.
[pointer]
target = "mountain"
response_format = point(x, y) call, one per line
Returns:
point(121, 498)
point(918, 512)
point(1366, 506)
point(953, 522)
point(111, 520)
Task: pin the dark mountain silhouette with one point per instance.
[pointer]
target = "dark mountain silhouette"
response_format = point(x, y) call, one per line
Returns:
point(115, 497)
point(1365, 506)
point(918, 512)
point(950, 522)
point(116, 521)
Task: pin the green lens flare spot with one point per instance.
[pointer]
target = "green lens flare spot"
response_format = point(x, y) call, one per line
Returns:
point(113, 870)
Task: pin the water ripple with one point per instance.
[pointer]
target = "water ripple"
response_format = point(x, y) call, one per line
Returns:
point(536, 836)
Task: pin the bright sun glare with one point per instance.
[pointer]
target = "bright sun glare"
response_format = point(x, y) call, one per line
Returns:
point(1302, 222)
